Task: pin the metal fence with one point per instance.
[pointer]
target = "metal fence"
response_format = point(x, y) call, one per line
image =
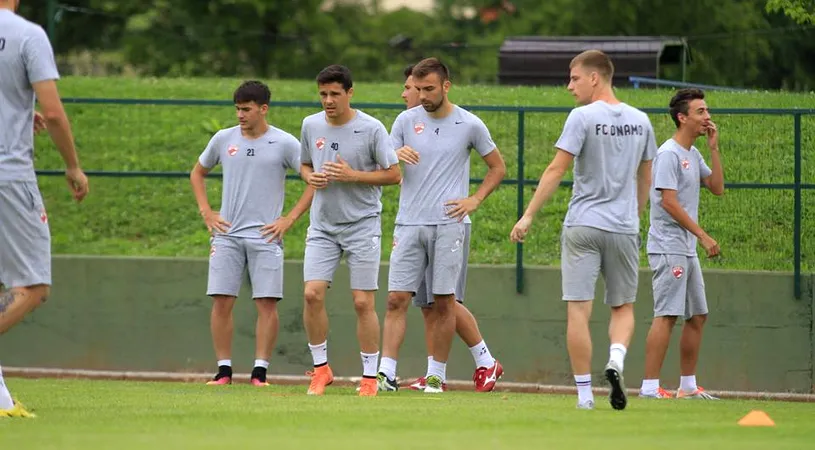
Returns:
point(520, 181)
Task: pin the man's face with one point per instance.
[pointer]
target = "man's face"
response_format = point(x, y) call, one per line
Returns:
point(335, 99)
point(410, 95)
point(250, 114)
point(432, 92)
point(582, 83)
point(697, 119)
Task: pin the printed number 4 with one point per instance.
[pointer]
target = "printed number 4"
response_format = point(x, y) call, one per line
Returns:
point(250, 152)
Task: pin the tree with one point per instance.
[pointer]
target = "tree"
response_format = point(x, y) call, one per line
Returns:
point(801, 11)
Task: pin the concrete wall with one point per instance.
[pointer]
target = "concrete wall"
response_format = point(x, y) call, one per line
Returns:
point(152, 314)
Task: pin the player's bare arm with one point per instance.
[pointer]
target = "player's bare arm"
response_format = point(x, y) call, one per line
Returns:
point(407, 155)
point(496, 169)
point(342, 172)
point(715, 182)
point(670, 203)
point(280, 226)
point(548, 184)
point(56, 121)
point(644, 174)
point(212, 219)
point(317, 180)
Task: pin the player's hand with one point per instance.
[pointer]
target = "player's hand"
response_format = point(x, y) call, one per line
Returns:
point(712, 134)
point(39, 123)
point(318, 180)
point(711, 247)
point(216, 223)
point(408, 155)
point(340, 171)
point(459, 209)
point(77, 183)
point(277, 229)
point(520, 229)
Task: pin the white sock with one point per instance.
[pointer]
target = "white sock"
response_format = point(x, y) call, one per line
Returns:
point(224, 362)
point(688, 383)
point(438, 369)
point(262, 363)
point(369, 361)
point(650, 386)
point(5, 396)
point(481, 355)
point(319, 353)
point(583, 383)
point(388, 367)
point(616, 354)
point(429, 362)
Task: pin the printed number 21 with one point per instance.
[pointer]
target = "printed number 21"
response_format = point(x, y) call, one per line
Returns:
point(2, 44)
point(250, 152)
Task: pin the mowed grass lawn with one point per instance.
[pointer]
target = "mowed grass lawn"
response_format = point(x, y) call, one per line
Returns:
point(90, 415)
point(158, 216)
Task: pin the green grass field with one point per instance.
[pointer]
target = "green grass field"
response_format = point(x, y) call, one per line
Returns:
point(89, 415)
point(149, 216)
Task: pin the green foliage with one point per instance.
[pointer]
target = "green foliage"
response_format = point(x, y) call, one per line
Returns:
point(801, 11)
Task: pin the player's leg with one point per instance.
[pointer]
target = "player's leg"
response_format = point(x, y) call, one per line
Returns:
point(446, 260)
point(227, 260)
point(25, 265)
point(691, 339)
point(265, 261)
point(321, 259)
point(669, 287)
point(487, 369)
point(580, 267)
point(620, 268)
point(362, 243)
point(405, 275)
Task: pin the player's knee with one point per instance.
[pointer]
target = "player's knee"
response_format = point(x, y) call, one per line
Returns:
point(363, 304)
point(398, 301)
point(697, 321)
point(313, 297)
point(266, 306)
point(444, 305)
point(222, 305)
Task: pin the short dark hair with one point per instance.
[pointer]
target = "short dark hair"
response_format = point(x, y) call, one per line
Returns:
point(409, 70)
point(680, 103)
point(336, 73)
point(252, 91)
point(595, 60)
point(431, 65)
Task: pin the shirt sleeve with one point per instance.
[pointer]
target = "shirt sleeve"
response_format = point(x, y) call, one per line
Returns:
point(574, 133)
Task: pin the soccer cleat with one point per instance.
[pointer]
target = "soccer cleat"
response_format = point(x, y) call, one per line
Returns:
point(419, 384)
point(485, 378)
point(434, 385)
point(368, 387)
point(588, 404)
point(320, 378)
point(698, 393)
point(617, 396)
point(659, 393)
point(224, 376)
point(17, 411)
point(384, 384)
point(259, 377)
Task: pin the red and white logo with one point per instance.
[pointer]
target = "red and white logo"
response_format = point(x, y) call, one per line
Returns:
point(685, 164)
point(418, 127)
point(232, 150)
point(678, 271)
point(43, 216)
point(320, 143)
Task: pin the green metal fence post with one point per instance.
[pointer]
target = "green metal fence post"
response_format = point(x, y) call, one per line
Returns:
point(796, 233)
point(519, 248)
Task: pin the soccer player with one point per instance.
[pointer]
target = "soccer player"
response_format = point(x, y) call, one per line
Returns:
point(488, 370)
point(347, 157)
point(247, 232)
point(612, 145)
point(27, 69)
point(430, 236)
point(679, 290)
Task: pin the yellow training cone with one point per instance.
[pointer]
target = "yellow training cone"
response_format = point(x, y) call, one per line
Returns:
point(756, 419)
